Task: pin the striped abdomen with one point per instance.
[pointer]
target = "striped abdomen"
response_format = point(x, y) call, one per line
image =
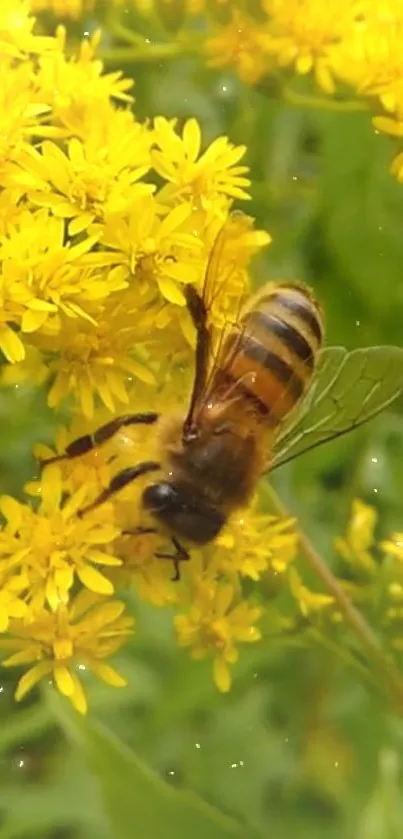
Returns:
point(269, 358)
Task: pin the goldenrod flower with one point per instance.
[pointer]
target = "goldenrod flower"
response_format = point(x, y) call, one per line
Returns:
point(253, 543)
point(390, 583)
point(213, 626)
point(154, 247)
point(21, 114)
point(44, 274)
point(55, 547)
point(92, 469)
point(370, 58)
point(203, 178)
point(311, 603)
point(243, 44)
point(11, 344)
point(13, 588)
point(103, 221)
point(94, 176)
point(151, 576)
point(77, 87)
point(394, 546)
point(306, 35)
point(73, 9)
point(16, 36)
point(54, 643)
point(89, 361)
point(356, 546)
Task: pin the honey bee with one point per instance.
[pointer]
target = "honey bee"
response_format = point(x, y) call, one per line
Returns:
point(262, 395)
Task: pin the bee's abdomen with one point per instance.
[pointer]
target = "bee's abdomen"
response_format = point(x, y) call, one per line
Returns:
point(272, 353)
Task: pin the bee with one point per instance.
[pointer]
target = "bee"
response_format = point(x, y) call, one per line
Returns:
point(264, 393)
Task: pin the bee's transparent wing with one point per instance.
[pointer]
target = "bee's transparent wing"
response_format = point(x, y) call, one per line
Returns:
point(224, 281)
point(349, 389)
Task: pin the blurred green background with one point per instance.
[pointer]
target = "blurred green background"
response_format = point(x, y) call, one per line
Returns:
point(300, 747)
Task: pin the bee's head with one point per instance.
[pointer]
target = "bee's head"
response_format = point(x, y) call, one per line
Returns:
point(183, 511)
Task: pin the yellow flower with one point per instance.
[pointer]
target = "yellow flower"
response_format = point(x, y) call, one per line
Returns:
point(20, 113)
point(16, 24)
point(311, 603)
point(394, 546)
point(73, 9)
point(307, 34)
point(13, 588)
point(355, 548)
point(43, 274)
point(370, 59)
point(254, 543)
point(149, 7)
point(243, 44)
point(204, 179)
point(91, 469)
point(87, 361)
point(83, 634)
point(77, 87)
point(53, 547)
point(241, 243)
point(92, 177)
point(103, 220)
point(214, 624)
point(11, 312)
point(154, 247)
point(31, 369)
point(150, 575)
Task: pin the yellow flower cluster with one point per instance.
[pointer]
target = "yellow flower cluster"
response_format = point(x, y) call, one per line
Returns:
point(373, 571)
point(103, 220)
point(70, 9)
point(342, 42)
point(345, 45)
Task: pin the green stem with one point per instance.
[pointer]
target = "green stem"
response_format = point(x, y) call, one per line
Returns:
point(352, 616)
point(301, 100)
point(344, 654)
point(122, 33)
point(144, 54)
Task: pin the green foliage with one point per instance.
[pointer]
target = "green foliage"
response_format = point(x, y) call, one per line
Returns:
point(134, 796)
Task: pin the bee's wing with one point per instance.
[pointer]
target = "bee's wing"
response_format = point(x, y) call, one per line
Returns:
point(223, 290)
point(349, 388)
point(223, 274)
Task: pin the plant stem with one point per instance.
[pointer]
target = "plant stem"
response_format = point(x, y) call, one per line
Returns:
point(351, 614)
point(144, 54)
point(301, 100)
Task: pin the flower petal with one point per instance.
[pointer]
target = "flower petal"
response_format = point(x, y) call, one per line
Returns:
point(63, 680)
point(108, 674)
point(31, 678)
point(221, 675)
point(94, 580)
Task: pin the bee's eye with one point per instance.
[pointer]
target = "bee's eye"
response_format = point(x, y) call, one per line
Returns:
point(160, 497)
point(186, 513)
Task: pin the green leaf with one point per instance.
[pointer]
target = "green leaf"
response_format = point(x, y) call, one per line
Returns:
point(361, 211)
point(137, 801)
point(383, 815)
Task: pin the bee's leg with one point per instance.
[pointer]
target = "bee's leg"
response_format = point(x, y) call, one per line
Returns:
point(85, 444)
point(139, 531)
point(181, 555)
point(120, 480)
point(197, 309)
